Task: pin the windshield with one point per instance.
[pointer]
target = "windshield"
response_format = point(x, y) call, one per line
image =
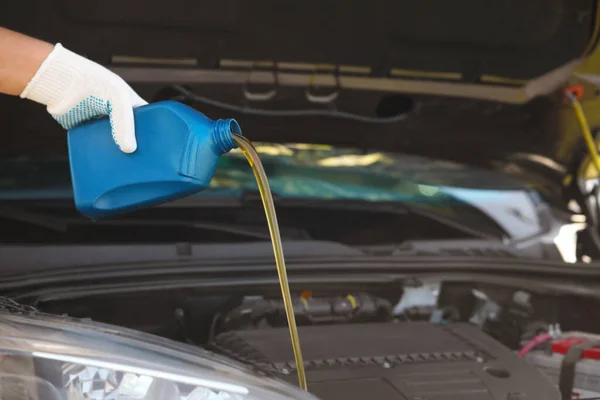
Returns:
point(295, 170)
point(320, 172)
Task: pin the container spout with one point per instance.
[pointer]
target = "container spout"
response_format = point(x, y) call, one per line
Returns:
point(223, 134)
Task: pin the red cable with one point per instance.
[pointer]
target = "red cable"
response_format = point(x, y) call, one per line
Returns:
point(533, 343)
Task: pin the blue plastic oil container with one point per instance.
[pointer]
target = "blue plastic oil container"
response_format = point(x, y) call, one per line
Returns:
point(177, 153)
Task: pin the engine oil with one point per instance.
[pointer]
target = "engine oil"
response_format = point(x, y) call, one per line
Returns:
point(269, 205)
point(178, 150)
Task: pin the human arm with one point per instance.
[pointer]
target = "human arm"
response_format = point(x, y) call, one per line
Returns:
point(73, 88)
point(20, 58)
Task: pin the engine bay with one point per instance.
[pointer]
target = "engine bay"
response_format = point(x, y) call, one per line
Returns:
point(430, 340)
point(391, 360)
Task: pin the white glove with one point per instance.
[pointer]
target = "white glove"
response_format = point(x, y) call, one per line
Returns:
point(75, 90)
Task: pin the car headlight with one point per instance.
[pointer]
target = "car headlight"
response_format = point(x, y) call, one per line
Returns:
point(47, 357)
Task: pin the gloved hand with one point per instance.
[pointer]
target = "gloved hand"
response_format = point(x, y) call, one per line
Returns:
point(75, 90)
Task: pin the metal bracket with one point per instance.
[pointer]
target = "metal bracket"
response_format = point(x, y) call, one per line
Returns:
point(261, 96)
point(323, 98)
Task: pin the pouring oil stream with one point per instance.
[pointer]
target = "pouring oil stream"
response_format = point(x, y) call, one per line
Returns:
point(267, 199)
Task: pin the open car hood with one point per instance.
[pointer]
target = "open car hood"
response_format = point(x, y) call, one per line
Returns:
point(505, 43)
point(467, 74)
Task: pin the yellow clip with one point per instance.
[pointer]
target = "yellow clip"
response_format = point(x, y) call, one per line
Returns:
point(352, 301)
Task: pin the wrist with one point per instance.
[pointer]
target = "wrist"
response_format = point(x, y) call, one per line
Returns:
point(54, 77)
point(20, 59)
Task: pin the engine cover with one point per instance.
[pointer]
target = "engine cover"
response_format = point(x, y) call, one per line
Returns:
point(417, 361)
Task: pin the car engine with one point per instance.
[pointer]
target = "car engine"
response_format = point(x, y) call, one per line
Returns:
point(436, 340)
point(414, 360)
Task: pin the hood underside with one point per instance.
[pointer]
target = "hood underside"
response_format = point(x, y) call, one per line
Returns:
point(502, 42)
point(374, 58)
